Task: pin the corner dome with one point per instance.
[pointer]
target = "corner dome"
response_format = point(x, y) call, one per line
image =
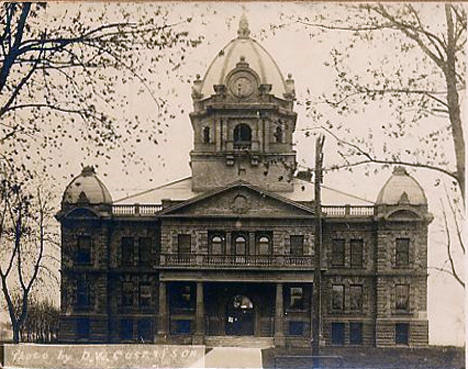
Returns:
point(87, 188)
point(401, 189)
point(252, 53)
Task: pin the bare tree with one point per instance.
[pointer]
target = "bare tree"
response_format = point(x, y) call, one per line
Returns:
point(25, 218)
point(61, 68)
point(417, 74)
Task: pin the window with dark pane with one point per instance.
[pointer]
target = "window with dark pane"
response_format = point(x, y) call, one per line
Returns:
point(126, 329)
point(296, 328)
point(82, 327)
point(217, 243)
point(127, 294)
point(401, 333)
point(127, 250)
point(145, 294)
point(338, 253)
point(338, 297)
point(338, 333)
point(355, 297)
point(296, 298)
point(184, 244)
point(145, 330)
point(206, 135)
point(297, 245)
point(144, 251)
point(83, 252)
point(182, 296)
point(355, 333)
point(402, 252)
point(402, 297)
point(356, 253)
point(82, 292)
point(182, 326)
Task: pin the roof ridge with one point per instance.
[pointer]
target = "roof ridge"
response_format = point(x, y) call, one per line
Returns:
point(153, 189)
point(348, 194)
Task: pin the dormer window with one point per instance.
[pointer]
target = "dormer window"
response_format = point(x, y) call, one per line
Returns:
point(242, 137)
point(206, 135)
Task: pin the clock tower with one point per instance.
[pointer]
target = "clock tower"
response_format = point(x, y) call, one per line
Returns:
point(243, 119)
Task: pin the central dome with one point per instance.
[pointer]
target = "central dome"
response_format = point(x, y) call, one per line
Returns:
point(253, 53)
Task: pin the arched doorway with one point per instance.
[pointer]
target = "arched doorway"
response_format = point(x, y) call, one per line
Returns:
point(240, 316)
point(242, 137)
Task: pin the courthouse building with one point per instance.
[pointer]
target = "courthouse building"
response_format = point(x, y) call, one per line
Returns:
point(226, 256)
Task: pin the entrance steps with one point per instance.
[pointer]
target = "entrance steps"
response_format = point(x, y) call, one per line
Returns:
point(234, 357)
point(239, 341)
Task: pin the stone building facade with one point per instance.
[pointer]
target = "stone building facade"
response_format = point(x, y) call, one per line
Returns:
point(228, 254)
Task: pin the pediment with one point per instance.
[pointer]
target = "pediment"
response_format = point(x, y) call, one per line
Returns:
point(240, 200)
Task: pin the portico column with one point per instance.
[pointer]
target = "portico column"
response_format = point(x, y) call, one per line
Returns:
point(199, 316)
point(162, 313)
point(279, 316)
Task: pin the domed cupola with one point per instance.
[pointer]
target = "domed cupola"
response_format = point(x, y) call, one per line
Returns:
point(243, 119)
point(251, 54)
point(86, 189)
point(401, 188)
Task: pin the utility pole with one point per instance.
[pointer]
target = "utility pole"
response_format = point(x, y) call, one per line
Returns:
point(317, 322)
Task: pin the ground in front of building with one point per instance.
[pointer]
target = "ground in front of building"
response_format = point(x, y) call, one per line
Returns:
point(435, 357)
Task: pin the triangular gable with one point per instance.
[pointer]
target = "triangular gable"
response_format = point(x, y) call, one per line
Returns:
point(239, 199)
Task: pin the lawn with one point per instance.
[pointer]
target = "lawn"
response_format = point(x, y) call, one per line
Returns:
point(433, 357)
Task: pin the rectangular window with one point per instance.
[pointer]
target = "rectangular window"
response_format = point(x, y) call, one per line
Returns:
point(402, 252)
point(355, 297)
point(338, 297)
point(82, 292)
point(356, 253)
point(145, 294)
point(144, 251)
point(296, 328)
point(401, 333)
point(127, 250)
point(182, 296)
point(402, 297)
point(126, 329)
point(127, 294)
point(297, 245)
point(145, 330)
point(82, 327)
point(182, 326)
point(338, 333)
point(83, 252)
point(355, 333)
point(296, 298)
point(184, 244)
point(338, 253)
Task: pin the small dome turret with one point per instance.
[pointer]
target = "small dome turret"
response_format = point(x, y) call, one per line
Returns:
point(87, 188)
point(401, 188)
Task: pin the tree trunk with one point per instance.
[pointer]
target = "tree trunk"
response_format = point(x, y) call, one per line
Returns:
point(453, 102)
point(16, 333)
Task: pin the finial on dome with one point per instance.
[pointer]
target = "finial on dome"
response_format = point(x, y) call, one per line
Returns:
point(243, 31)
point(88, 171)
point(400, 171)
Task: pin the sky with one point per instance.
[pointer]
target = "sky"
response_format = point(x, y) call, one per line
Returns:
point(306, 58)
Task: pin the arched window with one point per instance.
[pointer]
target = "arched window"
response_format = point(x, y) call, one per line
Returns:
point(240, 244)
point(278, 135)
point(263, 245)
point(217, 245)
point(206, 135)
point(242, 137)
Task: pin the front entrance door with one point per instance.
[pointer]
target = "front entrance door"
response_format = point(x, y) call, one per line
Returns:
point(240, 317)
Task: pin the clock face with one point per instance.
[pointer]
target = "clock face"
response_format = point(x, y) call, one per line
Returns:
point(242, 86)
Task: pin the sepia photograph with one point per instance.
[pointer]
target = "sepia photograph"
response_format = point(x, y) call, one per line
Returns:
point(239, 184)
